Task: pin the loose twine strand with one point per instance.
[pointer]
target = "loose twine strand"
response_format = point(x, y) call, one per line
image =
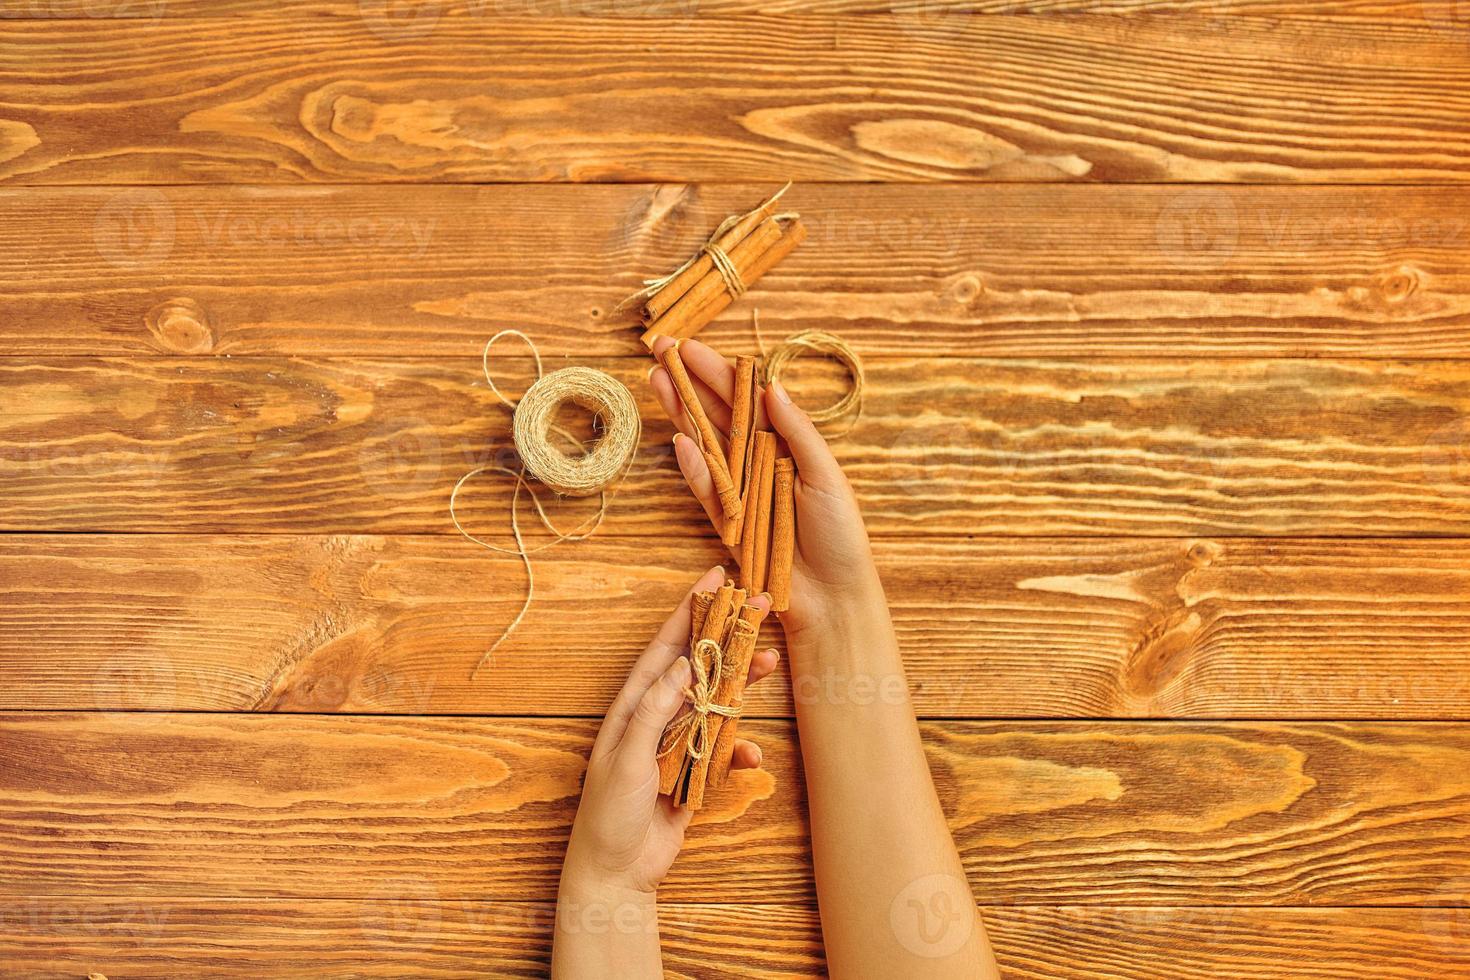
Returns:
point(828, 345)
point(707, 660)
point(532, 422)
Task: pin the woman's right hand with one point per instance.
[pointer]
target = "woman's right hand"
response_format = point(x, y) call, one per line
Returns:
point(833, 565)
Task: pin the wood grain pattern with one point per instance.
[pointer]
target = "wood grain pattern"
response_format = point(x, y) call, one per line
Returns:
point(1034, 629)
point(1439, 13)
point(1044, 813)
point(1276, 448)
point(411, 931)
point(1069, 97)
point(952, 270)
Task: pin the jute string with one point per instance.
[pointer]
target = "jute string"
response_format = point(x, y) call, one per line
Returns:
point(533, 422)
point(707, 659)
point(828, 345)
point(726, 268)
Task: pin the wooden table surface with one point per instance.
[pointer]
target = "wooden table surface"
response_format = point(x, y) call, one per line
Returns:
point(1166, 454)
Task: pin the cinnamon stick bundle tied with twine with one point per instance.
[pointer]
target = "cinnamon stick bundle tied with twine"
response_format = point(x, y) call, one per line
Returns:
point(697, 747)
point(742, 249)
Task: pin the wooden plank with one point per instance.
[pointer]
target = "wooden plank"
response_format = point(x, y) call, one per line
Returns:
point(410, 930)
point(1032, 629)
point(197, 805)
point(956, 270)
point(424, 17)
point(1067, 97)
point(1240, 448)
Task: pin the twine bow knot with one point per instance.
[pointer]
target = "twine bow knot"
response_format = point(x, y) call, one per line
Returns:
point(707, 659)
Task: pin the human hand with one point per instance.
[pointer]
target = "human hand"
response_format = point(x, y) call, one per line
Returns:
point(833, 566)
point(626, 836)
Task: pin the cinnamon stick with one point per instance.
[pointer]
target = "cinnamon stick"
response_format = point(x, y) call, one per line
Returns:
point(699, 604)
point(761, 513)
point(783, 534)
point(685, 318)
point(659, 303)
point(742, 418)
point(737, 666)
point(709, 441)
point(724, 488)
point(764, 456)
point(671, 763)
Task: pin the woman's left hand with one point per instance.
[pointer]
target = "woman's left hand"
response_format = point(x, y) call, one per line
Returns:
point(626, 836)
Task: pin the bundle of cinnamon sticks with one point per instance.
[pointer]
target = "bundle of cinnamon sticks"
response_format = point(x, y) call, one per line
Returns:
point(744, 248)
point(697, 747)
point(754, 478)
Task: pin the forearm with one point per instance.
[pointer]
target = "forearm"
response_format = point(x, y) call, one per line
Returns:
point(893, 895)
point(602, 931)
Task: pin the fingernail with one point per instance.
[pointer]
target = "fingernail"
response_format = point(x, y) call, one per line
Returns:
point(780, 392)
point(680, 672)
point(720, 570)
point(652, 369)
point(759, 755)
point(653, 340)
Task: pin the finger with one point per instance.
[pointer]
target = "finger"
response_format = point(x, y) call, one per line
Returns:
point(671, 640)
point(814, 459)
point(654, 711)
point(668, 400)
point(761, 665)
point(712, 369)
point(747, 755)
point(696, 474)
point(716, 409)
point(714, 399)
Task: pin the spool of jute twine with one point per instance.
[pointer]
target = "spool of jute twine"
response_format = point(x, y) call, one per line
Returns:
point(535, 419)
point(584, 474)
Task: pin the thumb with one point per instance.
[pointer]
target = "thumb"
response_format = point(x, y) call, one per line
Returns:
point(655, 710)
point(814, 459)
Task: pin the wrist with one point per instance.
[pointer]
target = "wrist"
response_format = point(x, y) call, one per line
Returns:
point(586, 881)
point(837, 617)
point(590, 904)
